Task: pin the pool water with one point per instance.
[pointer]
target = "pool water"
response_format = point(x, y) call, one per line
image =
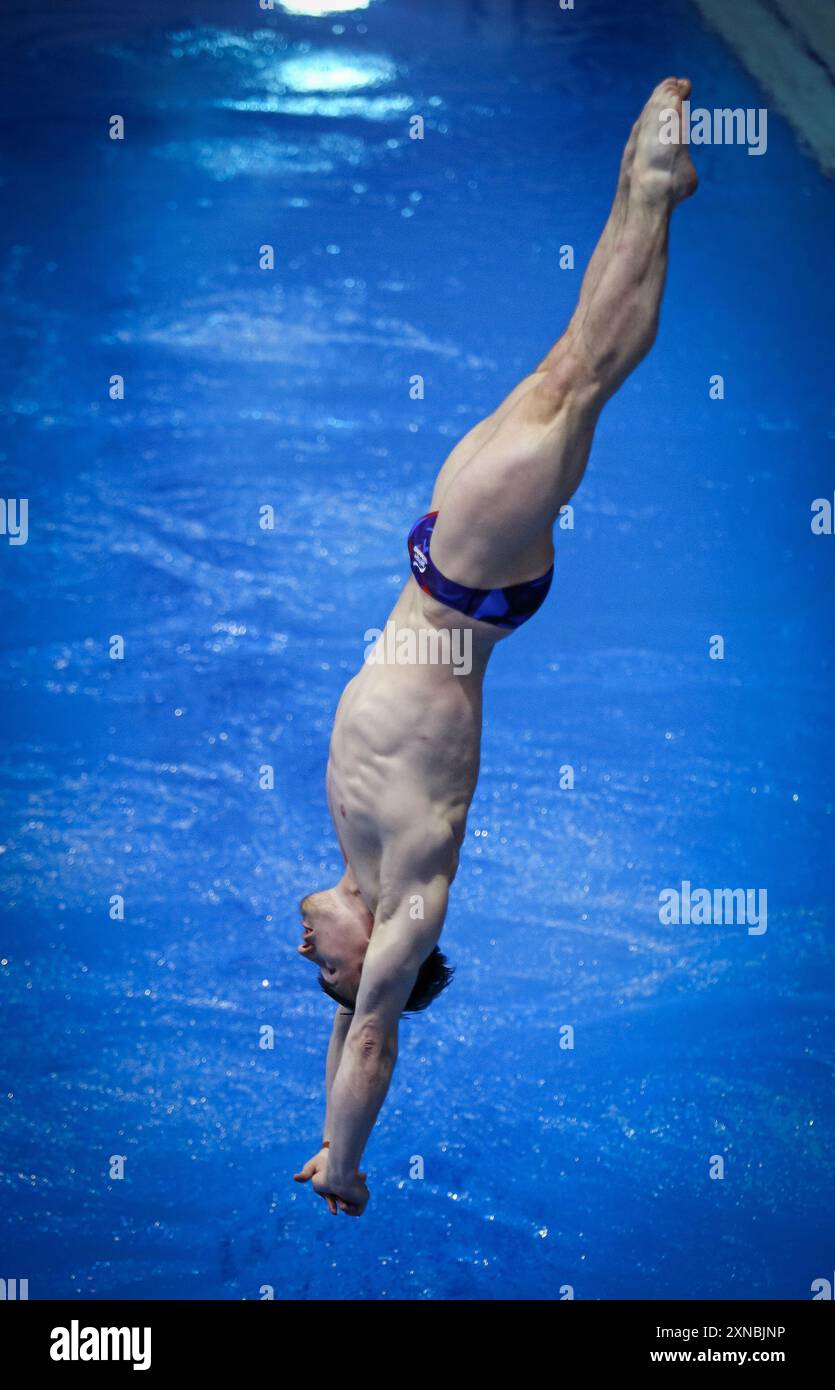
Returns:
point(546, 1167)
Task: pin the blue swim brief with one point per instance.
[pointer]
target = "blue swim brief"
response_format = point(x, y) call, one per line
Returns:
point(508, 607)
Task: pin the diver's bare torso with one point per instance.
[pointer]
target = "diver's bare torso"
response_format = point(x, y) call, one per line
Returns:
point(404, 751)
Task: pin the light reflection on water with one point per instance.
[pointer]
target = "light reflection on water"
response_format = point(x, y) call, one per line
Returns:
point(317, 8)
point(327, 71)
point(371, 108)
point(307, 85)
point(224, 158)
point(293, 79)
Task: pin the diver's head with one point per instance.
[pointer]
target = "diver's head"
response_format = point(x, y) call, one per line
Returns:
point(336, 930)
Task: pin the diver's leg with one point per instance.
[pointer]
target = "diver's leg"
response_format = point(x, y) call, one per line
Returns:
point(480, 433)
point(499, 506)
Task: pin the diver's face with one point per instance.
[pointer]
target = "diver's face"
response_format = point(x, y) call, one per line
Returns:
point(335, 939)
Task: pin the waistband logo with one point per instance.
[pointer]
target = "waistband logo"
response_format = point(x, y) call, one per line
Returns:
point(418, 558)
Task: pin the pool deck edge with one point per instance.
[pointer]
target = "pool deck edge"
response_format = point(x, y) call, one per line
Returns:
point(788, 46)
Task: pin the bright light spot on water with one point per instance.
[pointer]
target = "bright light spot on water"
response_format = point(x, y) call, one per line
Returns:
point(323, 84)
point(317, 8)
point(329, 72)
point(369, 108)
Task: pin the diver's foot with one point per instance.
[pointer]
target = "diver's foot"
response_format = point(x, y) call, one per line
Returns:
point(663, 171)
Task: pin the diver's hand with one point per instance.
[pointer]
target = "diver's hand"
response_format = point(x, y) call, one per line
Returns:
point(317, 1164)
point(349, 1194)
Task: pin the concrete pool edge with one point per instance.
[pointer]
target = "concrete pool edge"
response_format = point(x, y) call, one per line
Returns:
point(788, 46)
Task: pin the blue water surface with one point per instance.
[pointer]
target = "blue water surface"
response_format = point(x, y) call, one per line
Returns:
point(544, 1167)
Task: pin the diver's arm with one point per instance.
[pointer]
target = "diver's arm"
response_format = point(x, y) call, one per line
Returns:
point(339, 1032)
point(398, 947)
point(341, 1024)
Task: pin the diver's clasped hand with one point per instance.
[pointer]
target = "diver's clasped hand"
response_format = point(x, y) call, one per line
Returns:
point(348, 1194)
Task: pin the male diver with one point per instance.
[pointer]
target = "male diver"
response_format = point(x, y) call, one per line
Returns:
point(404, 751)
